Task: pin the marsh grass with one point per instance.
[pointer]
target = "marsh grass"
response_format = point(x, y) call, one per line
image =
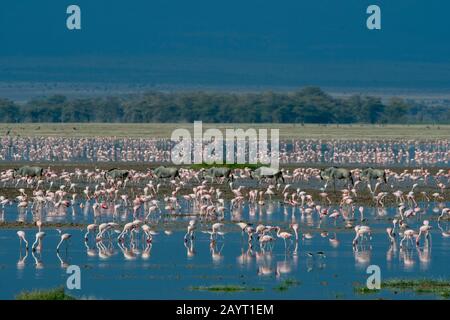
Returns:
point(225, 288)
point(438, 287)
point(51, 294)
point(365, 290)
point(286, 284)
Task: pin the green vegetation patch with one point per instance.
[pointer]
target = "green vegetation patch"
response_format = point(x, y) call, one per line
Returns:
point(51, 294)
point(286, 284)
point(365, 290)
point(439, 287)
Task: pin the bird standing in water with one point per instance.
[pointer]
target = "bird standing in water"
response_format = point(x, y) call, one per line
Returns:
point(21, 235)
point(64, 238)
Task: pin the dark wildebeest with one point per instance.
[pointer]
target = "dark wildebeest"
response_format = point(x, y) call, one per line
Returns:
point(166, 172)
point(27, 171)
point(116, 174)
point(267, 172)
point(218, 172)
point(371, 173)
point(334, 173)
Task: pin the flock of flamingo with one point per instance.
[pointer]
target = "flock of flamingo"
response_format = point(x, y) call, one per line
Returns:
point(125, 209)
point(110, 149)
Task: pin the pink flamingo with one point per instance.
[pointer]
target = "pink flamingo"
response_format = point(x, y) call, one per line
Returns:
point(21, 235)
point(425, 230)
point(284, 235)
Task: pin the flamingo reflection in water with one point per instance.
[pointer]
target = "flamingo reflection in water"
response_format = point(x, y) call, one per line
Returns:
point(146, 253)
point(363, 255)
point(22, 260)
point(190, 249)
point(424, 255)
point(37, 260)
point(216, 253)
point(407, 257)
point(63, 261)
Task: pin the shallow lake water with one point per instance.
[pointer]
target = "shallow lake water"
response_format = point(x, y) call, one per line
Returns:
point(171, 269)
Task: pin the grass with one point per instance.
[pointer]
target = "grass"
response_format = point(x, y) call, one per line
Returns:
point(365, 290)
point(286, 284)
point(51, 294)
point(438, 287)
point(164, 130)
point(224, 288)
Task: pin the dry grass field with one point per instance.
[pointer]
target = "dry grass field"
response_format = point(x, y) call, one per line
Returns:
point(164, 130)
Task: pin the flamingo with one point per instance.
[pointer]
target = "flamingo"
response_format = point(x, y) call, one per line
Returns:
point(284, 235)
point(21, 235)
point(425, 230)
point(190, 230)
point(270, 192)
point(215, 230)
point(407, 235)
point(243, 226)
point(360, 232)
point(265, 239)
point(39, 225)
point(294, 227)
point(361, 212)
point(64, 237)
point(101, 229)
point(37, 245)
point(335, 215)
point(391, 231)
point(250, 232)
point(444, 212)
point(148, 232)
point(90, 228)
point(127, 228)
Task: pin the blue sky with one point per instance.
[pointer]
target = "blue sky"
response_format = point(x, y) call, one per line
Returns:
point(232, 42)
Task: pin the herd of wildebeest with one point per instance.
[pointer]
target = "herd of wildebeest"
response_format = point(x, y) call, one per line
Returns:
point(260, 173)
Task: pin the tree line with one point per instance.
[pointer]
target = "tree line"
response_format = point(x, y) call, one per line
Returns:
point(309, 105)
